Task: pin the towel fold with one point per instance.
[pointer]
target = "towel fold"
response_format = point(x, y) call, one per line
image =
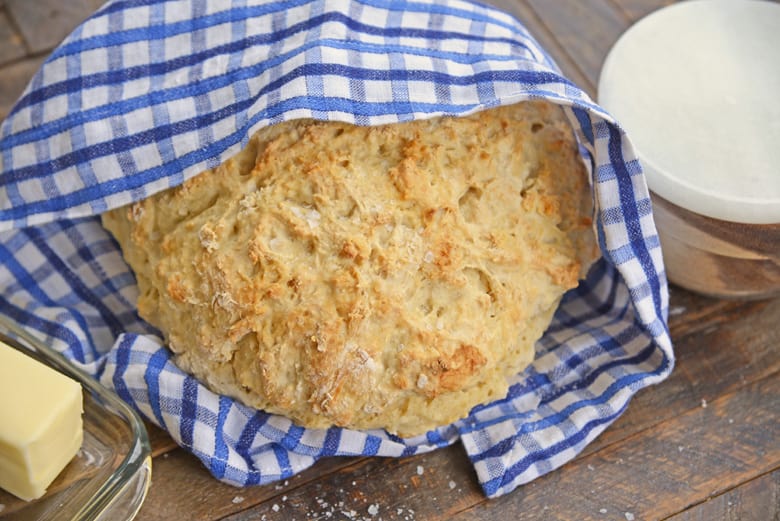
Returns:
point(148, 93)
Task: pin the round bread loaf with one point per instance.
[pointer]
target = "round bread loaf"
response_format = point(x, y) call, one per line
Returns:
point(368, 277)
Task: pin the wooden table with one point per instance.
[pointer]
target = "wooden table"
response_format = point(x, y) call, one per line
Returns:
point(703, 445)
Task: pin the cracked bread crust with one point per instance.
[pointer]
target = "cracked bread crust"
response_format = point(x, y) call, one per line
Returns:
point(367, 277)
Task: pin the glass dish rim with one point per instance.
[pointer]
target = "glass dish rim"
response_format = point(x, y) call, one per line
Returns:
point(139, 454)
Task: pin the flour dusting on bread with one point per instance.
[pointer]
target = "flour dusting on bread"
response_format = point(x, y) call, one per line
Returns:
point(368, 277)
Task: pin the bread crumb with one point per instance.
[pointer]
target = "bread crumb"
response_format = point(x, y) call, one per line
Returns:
point(603, 511)
point(703, 403)
point(208, 238)
point(420, 470)
point(373, 510)
point(452, 484)
point(238, 499)
point(311, 216)
point(629, 516)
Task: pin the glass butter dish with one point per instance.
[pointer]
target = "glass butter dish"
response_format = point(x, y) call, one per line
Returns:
point(109, 477)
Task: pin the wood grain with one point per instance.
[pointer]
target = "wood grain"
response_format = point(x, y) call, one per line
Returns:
point(183, 489)
point(569, 67)
point(58, 17)
point(585, 28)
point(708, 363)
point(430, 486)
point(756, 500)
point(722, 357)
point(703, 445)
point(160, 440)
point(636, 9)
point(11, 42)
point(661, 471)
point(13, 80)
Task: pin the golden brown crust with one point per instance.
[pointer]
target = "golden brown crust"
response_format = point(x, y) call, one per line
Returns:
point(369, 277)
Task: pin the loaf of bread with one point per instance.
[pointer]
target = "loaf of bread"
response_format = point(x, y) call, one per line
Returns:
point(368, 277)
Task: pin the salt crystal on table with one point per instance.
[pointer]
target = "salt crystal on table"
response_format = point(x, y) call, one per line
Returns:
point(629, 516)
point(420, 470)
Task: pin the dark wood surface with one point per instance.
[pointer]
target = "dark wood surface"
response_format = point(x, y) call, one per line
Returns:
point(702, 445)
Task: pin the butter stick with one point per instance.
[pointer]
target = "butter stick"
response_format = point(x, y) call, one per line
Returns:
point(40, 423)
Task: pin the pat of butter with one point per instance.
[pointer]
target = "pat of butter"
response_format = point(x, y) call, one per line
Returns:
point(40, 423)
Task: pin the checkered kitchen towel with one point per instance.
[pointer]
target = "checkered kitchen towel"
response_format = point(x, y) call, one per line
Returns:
point(147, 93)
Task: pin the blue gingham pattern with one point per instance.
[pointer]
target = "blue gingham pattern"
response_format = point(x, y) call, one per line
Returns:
point(148, 93)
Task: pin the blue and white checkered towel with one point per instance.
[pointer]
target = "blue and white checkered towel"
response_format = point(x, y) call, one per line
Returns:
point(148, 93)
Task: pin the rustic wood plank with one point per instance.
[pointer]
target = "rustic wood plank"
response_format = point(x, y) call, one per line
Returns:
point(178, 472)
point(535, 25)
point(636, 9)
point(690, 462)
point(667, 456)
point(394, 487)
point(587, 29)
point(430, 486)
point(11, 43)
point(183, 489)
point(690, 313)
point(735, 348)
point(57, 17)
point(756, 500)
point(13, 79)
point(159, 439)
point(661, 471)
